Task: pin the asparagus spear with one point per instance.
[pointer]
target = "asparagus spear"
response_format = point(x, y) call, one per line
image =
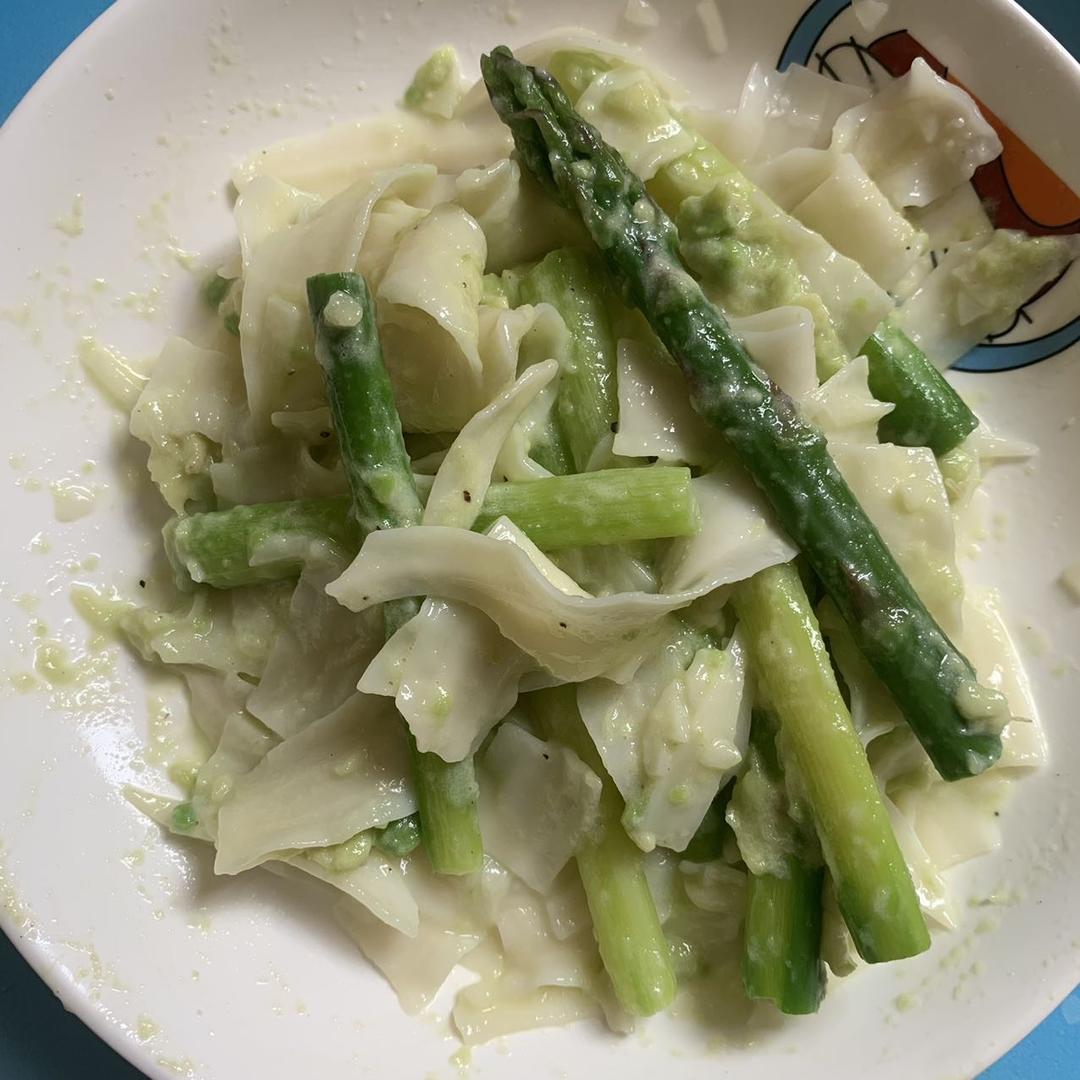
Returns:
point(782, 939)
point(384, 497)
point(818, 740)
point(627, 927)
point(612, 506)
point(574, 282)
point(928, 411)
point(265, 542)
point(957, 720)
point(782, 931)
point(361, 401)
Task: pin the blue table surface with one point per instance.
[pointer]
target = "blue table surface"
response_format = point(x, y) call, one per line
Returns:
point(38, 1039)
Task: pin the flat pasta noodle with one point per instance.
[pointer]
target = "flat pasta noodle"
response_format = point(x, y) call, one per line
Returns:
point(278, 370)
point(429, 324)
point(191, 402)
point(338, 776)
point(573, 637)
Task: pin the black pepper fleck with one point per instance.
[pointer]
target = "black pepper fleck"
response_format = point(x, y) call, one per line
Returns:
point(468, 497)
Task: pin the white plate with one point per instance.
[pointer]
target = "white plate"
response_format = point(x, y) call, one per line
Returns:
point(189, 975)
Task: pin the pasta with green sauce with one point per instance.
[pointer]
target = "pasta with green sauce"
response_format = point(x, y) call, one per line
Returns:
point(567, 506)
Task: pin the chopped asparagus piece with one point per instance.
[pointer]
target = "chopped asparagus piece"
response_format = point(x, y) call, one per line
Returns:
point(627, 927)
point(782, 939)
point(928, 411)
point(574, 282)
point(384, 496)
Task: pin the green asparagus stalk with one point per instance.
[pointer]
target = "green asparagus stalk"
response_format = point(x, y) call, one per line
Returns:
point(264, 542)
point(957, 720)
point(447, 793)
point(782, 939)
point(384, 497)
point(627, 927)
point(446, 801)
point(782, 931)
point(928, 411)
point(612, 506)
point(574, 282)
point(257, 544)
point(819, 742)
point(358, 389)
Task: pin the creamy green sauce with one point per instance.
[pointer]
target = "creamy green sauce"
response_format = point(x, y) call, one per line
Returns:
point(184, 774)
point(758, 814)
point(985, 710)
point(462, 1059)
point(183, 1067)
point(341, 858)
point(53, 662)
point(162, 742)
point(114, 375)
point(101, 608)
point(146, 1029)
point(1000, 274)
point(72, 224)
point(742, 259)
point(22, 682)
point(436, 88)
point(72, 500)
